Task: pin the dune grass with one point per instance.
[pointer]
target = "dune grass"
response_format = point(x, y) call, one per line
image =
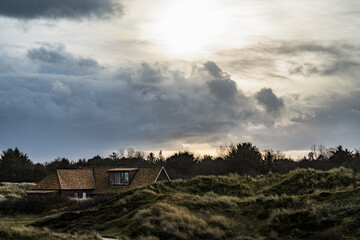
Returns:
point(31, 233)
point(14, 190)
point(302, 204)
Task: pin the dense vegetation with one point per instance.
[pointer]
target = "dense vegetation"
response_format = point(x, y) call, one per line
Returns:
point(304, 203)
point(243, 158)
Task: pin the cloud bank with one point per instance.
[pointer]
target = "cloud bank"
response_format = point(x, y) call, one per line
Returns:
point(65, 9)
point(55, 102)
point(60, 96)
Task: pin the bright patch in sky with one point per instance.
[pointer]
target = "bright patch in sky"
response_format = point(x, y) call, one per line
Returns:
point(188, 27)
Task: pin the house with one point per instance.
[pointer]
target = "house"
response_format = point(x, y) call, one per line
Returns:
point(88, 182)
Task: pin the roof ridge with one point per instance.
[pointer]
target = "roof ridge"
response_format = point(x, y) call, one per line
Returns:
point(58, 178)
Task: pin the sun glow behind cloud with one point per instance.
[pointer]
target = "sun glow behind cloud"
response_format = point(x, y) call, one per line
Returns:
point(193, 29)
point(188, 27)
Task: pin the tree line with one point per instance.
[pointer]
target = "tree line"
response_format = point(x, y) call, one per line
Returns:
point(243, 158)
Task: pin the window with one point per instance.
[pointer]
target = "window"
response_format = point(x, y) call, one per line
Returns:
point(84, 195)
point(126, 178)
point(119, 178)
point(76, 195)
point(112, 178)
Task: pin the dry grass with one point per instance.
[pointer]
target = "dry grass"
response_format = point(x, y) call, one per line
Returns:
point(164, 220)
point(14, 190)
point(31, 233)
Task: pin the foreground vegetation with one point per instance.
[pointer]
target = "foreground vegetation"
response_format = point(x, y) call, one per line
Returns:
point(31, 233)
point(304, 203)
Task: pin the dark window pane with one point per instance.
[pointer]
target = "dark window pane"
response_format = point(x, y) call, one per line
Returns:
point(112, 178)
point(122, 178)
point(126, 178)
point(117, 181)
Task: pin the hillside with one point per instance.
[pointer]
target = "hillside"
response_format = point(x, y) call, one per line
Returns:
point(302, 204)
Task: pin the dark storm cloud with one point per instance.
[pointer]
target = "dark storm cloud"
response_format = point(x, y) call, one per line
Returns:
point(223, 89)
point(213, 69)
point(332, 120)
point(221, 86)
point(267, 98)
point(58, 96)
point(52, 59)
point(53, 9)
point(46, 56)
point(66, 103)
point(5, 67)
point(150, 74)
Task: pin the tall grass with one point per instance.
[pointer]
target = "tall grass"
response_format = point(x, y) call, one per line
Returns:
point(14, 190)
point(31, 233)
point(168, 221)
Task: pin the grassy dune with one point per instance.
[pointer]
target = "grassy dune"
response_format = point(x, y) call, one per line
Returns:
point(302, 204)
point(14, 190)
point(31, 233)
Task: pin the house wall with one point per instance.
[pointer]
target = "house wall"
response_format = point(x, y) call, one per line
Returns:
point(71, 193)
point(162, 177)
point(39, 195)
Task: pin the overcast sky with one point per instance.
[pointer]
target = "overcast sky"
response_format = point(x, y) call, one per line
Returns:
point(86, 77)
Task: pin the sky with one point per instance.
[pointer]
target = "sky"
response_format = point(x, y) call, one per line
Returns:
point(85, 77)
